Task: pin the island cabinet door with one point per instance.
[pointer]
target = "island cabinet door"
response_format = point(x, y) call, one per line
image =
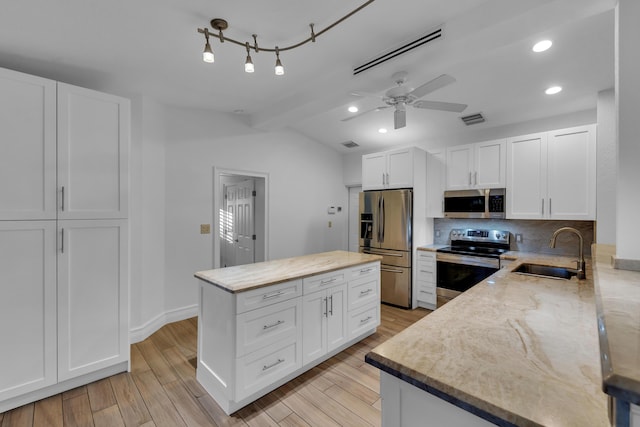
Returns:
point(314, 326)
point(92, 296)
point(27, 307)
point(336, 317)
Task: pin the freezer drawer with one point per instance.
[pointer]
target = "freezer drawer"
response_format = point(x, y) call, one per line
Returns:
point(395, 285)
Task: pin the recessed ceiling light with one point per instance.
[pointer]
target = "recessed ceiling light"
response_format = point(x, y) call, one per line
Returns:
point(382, 130)
point(541, 46)
point(553, 90)
point(353, 109)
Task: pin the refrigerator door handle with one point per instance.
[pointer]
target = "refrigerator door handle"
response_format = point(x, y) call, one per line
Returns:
point(382, 221)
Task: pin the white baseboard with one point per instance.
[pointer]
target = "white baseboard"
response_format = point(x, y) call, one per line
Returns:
point(143, 332)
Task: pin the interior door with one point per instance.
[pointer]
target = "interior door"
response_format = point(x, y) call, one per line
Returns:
point(227, 224)
point(244, 223)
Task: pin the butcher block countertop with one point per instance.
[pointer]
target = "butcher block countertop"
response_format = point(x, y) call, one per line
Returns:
point(243, 278)
point(522, 349)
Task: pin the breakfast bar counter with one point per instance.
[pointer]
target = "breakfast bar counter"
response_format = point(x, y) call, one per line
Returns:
point(513, 350)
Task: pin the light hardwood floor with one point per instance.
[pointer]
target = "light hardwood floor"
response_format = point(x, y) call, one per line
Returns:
point(161, 389)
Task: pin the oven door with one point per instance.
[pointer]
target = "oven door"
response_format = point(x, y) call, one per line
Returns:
point(458, 273)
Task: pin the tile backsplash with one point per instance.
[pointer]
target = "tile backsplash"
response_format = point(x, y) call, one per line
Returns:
point(535, 233)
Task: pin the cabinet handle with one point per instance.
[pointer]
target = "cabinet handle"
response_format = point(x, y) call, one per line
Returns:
point(273, 325)
point(273, 295)
point(365, 292)
point(366, 270)
point(469, 178)
point(382, 178)
point(387, 179)
point(549, 206)
point(326, 282)
point(475, 177)
point(331, 305)
point(365, 320)
point(62, 203)
point(542, 207)
point(276, 363)
point(62, 242)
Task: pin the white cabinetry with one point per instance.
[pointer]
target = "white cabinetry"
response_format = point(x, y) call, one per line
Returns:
point(480, 165)
point(427, 279)
point(389, 169)
point(66, 296)
point(251, 342)
point(551, 175)
point(28, 160)
point(436, 178)
point(634, 416)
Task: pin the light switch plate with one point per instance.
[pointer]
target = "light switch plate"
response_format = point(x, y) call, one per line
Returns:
point(205, 228)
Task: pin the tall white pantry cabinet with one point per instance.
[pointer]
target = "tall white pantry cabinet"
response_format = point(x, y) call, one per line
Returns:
point(63, 237)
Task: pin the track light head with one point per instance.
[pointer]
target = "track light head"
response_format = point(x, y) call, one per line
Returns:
point(279, 68)
point(207, 55)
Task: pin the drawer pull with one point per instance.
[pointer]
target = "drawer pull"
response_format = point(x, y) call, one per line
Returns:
point(273, 295)
point(365, 320)
point(273, 325)
point(325, 282)
point(366, 270)
point(276, 363)
point(365, 292)
point(425, 271)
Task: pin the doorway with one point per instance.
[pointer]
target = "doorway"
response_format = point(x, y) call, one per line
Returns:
point(240, 219)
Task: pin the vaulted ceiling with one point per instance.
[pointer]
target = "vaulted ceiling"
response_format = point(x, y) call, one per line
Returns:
point(152, 48)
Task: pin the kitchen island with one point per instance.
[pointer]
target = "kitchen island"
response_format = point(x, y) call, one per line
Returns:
point(512, 350)
point(261, 325)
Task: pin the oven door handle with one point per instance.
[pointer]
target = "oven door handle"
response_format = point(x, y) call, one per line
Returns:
point(468, 260)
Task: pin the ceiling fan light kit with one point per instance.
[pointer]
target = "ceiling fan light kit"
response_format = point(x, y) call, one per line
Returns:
point(401, 96)
point(220, 25)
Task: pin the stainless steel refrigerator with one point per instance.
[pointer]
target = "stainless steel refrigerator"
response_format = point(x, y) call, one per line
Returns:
point(386, 219)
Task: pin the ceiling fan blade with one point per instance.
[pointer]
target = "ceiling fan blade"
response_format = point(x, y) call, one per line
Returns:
point(432, 85)
point(444, 106)
point(365, 94)
point(355, 116)
point(399, 118)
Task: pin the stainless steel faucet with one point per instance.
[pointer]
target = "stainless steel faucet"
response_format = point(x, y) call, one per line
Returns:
point(581, 265)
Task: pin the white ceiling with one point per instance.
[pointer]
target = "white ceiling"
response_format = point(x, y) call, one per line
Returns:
point(152, 48)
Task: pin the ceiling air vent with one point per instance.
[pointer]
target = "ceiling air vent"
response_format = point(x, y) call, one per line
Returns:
point(350, 144)
point(406, 47)
point(473, 119)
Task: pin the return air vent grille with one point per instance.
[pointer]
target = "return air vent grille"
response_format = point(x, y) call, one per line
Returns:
point(473, 119)
point(350, 144)
point(431, 36)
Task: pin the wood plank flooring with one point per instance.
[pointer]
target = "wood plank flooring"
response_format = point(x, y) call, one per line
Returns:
point(161, 389)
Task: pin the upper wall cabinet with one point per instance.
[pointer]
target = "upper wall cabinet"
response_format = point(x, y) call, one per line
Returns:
point(389, 169)
point(551, 175)
point(480, 165)
point(93, 130)
point(28, 153)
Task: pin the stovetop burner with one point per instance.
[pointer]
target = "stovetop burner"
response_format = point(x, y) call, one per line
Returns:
point(475, 242)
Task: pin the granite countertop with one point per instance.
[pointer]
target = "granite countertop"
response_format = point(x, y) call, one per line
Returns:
point(520, 348)
point(251, 276)
point(618, 308)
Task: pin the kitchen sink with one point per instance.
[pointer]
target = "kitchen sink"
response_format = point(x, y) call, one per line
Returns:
point(545, 271)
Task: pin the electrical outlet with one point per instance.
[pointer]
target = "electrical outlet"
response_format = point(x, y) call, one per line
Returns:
point(330, 224)
point(205, 228)
point(437, 233)
point(518, 238)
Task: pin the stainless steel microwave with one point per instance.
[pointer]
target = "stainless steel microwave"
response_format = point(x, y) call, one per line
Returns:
point(481, 203)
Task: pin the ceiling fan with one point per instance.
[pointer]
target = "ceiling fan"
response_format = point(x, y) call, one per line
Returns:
point(401, 96)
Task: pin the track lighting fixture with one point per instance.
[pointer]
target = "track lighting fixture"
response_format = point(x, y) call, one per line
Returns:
point(279, 67)
point(220, 25)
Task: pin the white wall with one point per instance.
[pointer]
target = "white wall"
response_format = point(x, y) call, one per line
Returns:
point(304, 179)
point(627, 86)
point(146, 218)
point(606, 169)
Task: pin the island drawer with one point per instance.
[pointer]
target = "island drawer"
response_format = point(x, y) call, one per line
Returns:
point(323, 281)
point(268, 295)
point(365, 270)
point(363, 320)
point(364, 291)
point(266, 366)
point(267, 325)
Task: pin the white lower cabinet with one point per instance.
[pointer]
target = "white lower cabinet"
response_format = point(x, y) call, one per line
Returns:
point(426, 288)
point(250, 343)
point(324, 322)
point(67, 328)
point(634, 416)
point(27, 307)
